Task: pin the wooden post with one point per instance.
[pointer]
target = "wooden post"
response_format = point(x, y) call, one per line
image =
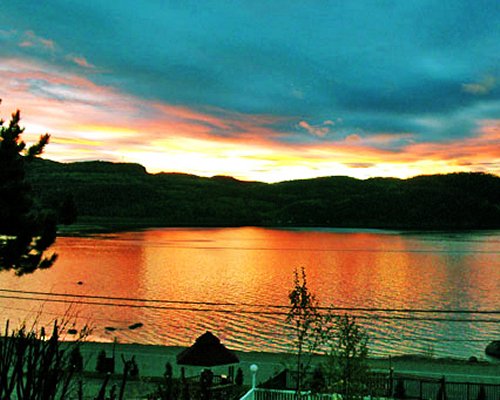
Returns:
point(391, 382)
point(442, 389)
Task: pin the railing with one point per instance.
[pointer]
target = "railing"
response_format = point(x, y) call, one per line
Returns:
point(223, 392)
point(269, 394)
point(275, 394)
point(418, 388)
point(248, 395)
point(398, 387)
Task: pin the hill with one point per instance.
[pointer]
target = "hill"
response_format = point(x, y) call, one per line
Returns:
point(118, 192)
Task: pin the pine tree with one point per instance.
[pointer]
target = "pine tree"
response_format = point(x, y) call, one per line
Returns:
point(26, 231)
point(67, 210)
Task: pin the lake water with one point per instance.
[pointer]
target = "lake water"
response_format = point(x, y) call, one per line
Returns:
point(181, 282)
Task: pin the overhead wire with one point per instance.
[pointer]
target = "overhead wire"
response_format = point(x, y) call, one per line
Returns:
point(207, 308)
point(234, 304)
point(126, 323)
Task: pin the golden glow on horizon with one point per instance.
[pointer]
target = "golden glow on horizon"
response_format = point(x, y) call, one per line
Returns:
point(88, 122)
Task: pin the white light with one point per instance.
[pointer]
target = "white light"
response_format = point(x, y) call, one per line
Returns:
point(253, 369)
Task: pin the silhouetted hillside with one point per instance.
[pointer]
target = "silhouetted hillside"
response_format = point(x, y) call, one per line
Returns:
point(126, 192)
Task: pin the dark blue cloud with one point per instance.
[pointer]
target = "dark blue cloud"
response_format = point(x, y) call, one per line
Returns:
point(381, 66)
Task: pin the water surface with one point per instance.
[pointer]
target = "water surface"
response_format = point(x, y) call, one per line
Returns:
point(230, 281)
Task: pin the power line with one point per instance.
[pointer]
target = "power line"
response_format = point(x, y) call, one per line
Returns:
point(372, 337)
point(271, 306)
point(239, 311)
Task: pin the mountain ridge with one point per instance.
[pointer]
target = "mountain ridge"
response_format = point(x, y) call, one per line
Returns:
point(126, 191)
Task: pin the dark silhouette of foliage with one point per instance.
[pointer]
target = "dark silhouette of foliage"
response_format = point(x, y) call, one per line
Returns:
point(206, 379)
point(185, 391)
point(34, 366)
point(399, 390)
point(239, 377)
point(343, 341)
point(76, 359)
point(101, 365)
point(67, 211)
point(347, 367)
point(102, 391)
point(168, 375)
point(318, 381)
point(26, 231)
point(130, 369)
point(306, 320)
point(134, 369)
point(127, 194)
point(169, 389)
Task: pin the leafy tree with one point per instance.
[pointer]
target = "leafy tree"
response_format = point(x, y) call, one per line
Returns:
point(26, 232)
point(340, 337)
point(318, 381)
point(347, 366)
point(307, 324)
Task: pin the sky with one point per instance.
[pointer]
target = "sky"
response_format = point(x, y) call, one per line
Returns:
point(259, 90)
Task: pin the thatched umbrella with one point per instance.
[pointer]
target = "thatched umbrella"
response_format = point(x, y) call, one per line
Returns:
point(207, 351)
point(493, 349)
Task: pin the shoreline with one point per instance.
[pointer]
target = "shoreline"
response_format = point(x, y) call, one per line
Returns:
point(93, 225)
point(151, 360)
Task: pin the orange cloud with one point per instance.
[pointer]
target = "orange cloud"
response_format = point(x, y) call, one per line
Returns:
point(30, 39)
point(353, 138)
point(317, 130)
point(81, 61)
point(89, 121)
point(483, 146)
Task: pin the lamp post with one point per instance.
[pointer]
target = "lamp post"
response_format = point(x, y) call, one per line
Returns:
point(253, 369)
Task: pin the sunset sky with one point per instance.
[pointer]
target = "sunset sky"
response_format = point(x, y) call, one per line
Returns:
point(259, 90)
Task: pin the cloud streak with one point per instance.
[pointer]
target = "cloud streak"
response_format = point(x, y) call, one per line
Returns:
point(260, 91)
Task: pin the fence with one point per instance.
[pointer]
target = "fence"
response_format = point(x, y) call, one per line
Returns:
point(270, 394)
point(418, 388)
point(414, 389)
point(395, 386)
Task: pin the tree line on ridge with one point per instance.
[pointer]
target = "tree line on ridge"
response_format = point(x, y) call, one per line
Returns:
point(104, 191)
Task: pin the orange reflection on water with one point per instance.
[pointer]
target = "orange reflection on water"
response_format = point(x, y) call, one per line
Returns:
point(235, 268)
point(85, 266)
point(214, 264)
point(256, 264)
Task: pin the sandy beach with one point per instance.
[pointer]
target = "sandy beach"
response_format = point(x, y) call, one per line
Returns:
point(151, 361)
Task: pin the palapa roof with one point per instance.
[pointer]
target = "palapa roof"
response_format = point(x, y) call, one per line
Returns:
point(207, 351)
